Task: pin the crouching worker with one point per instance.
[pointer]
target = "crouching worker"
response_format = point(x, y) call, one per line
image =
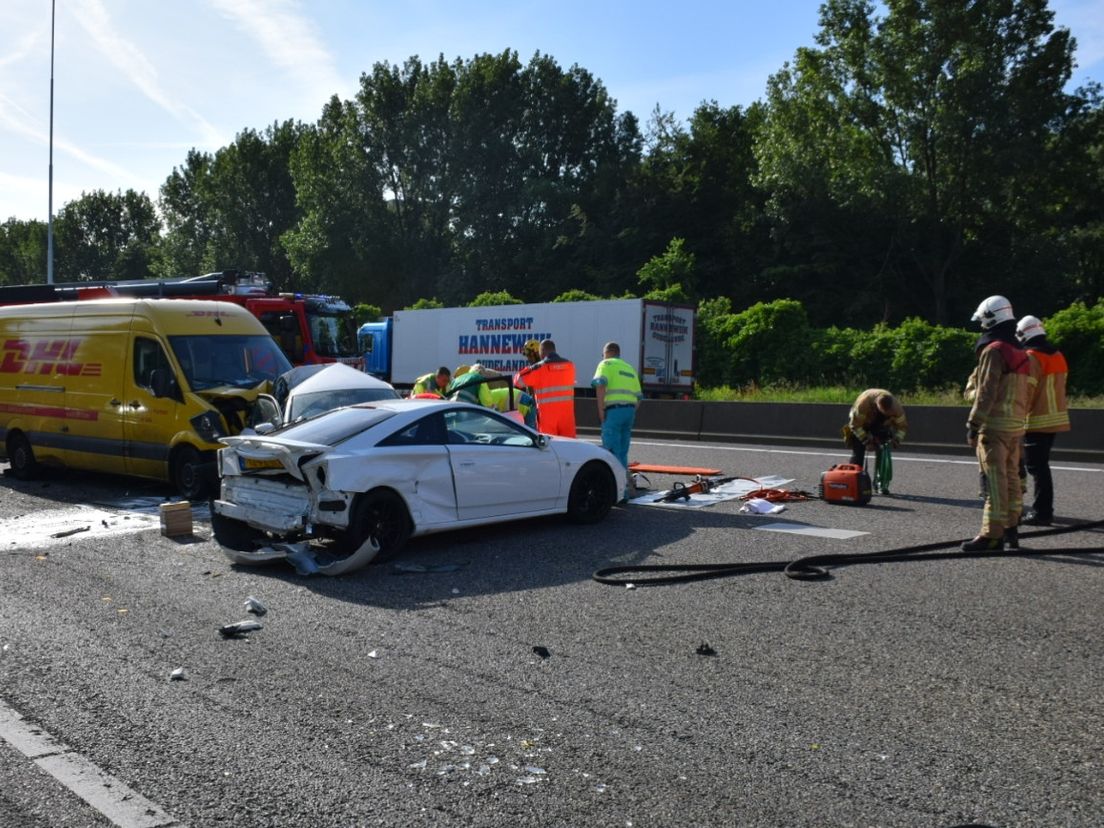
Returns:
point(996, 424)
point(877, 421)
point(432, 385)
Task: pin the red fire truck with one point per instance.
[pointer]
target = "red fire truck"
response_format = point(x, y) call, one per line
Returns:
point(310, 328)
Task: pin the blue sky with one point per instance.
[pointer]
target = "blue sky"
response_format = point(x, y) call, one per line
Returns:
point(137, 83)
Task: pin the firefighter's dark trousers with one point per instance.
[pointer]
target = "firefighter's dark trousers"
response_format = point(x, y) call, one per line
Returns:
point(1036, 448)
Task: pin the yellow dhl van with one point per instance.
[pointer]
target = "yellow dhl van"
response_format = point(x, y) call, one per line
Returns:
point(142, 387)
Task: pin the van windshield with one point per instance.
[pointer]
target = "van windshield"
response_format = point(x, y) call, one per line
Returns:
point(238, 361)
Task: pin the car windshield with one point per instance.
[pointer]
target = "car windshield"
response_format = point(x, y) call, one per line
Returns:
point(335, 427)
point(334, 334)
point(239, 361)
point(301, 406)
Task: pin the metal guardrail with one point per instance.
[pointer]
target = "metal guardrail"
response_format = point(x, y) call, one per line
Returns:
point(932, 429)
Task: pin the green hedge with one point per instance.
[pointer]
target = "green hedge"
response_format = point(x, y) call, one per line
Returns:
point(773, 344)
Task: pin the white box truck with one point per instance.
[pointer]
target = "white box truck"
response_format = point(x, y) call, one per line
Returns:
point(657, 338)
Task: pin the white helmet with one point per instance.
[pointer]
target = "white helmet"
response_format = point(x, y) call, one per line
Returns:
point(1028, 328)
point(993, 311)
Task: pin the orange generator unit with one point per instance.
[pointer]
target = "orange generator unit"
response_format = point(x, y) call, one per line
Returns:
point(846, 483)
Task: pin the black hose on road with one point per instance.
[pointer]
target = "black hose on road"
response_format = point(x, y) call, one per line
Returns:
point(815, 567)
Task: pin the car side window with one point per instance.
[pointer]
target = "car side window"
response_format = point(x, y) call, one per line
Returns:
point(473, 426)
point(148, 357)
point(428, 431)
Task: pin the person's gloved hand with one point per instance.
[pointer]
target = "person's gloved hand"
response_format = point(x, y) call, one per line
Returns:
point(971, 438)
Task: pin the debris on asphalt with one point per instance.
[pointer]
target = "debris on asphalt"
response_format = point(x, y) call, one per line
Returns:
point(254, 606)
point(542, 651)
point(240, 628)
point(422, 569)
point(705, 650)
point(373, 654)
point(69, 532)
point(179, 674)
point(307, 561)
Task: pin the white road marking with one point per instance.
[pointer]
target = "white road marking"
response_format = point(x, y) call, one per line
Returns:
point(123, 806)
point(812, 531)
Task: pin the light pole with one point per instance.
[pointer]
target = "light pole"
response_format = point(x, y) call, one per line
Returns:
point(50, 220)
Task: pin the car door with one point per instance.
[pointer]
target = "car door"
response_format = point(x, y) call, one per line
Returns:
point(149, 421)
point(499, 468)
point(415, 461)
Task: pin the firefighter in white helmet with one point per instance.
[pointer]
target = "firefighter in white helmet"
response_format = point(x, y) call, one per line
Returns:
point(995, 425)
point(1047, 415)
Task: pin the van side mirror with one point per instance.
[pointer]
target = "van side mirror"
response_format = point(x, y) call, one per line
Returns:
point(163, 383)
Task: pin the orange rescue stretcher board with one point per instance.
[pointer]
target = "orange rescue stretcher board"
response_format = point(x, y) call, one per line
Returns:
point(654, 469)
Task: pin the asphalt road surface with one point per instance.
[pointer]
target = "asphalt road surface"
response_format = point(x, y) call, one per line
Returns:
point(915, 693)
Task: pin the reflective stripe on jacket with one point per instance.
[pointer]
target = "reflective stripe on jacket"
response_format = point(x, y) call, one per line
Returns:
point(552, 380)
point(1047, 408)
point(621, 382)
point(1000, 402)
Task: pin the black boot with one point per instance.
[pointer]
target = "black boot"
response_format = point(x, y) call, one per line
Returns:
point(1012, 538)
point(982, 544)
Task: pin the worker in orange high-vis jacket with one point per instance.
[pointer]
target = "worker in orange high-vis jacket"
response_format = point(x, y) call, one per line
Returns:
point(552, 383)
point(995, 425)
point(1047, 415)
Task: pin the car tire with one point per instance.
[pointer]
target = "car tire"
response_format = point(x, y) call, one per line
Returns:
point(233, 534)
point(381, 514)
point(186, 469)
point(593, 493)
point(21, 457)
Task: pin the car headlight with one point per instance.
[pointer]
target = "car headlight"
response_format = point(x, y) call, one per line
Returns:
point(208, 426)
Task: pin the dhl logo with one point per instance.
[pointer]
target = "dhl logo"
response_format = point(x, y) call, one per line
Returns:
point(46, 357)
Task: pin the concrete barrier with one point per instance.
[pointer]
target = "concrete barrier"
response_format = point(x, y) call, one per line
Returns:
point(932, 429)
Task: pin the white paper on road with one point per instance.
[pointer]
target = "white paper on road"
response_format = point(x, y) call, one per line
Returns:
point(812, 531)
point(726, 491)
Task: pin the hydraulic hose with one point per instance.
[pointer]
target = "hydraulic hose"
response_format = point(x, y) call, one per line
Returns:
point(815, 567)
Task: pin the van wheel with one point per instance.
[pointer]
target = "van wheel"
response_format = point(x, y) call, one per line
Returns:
point(381, 514)
point(186, 468)
point(21, 457)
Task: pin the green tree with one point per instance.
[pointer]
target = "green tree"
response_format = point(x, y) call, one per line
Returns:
point(671, 271)
point(231, 209)
point(186, 209)
point(450, 179)
point(906, 137)
point(104, 235)
point(22, 252)
point(497, 297)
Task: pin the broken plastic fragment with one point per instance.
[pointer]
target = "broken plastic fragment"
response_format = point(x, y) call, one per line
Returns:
point(373, 654)
point(254, 606)
point(179, 674)
point(705, 650)
point(238, 629)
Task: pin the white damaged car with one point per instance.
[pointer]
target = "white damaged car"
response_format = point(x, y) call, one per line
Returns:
point(371, 476)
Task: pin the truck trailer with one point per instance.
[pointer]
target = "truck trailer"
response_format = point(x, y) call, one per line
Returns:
point(657, 338)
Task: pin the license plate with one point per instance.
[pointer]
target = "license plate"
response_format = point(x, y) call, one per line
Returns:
point(250, 463)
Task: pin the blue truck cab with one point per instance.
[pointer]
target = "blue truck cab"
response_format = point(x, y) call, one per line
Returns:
point(374, 341)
